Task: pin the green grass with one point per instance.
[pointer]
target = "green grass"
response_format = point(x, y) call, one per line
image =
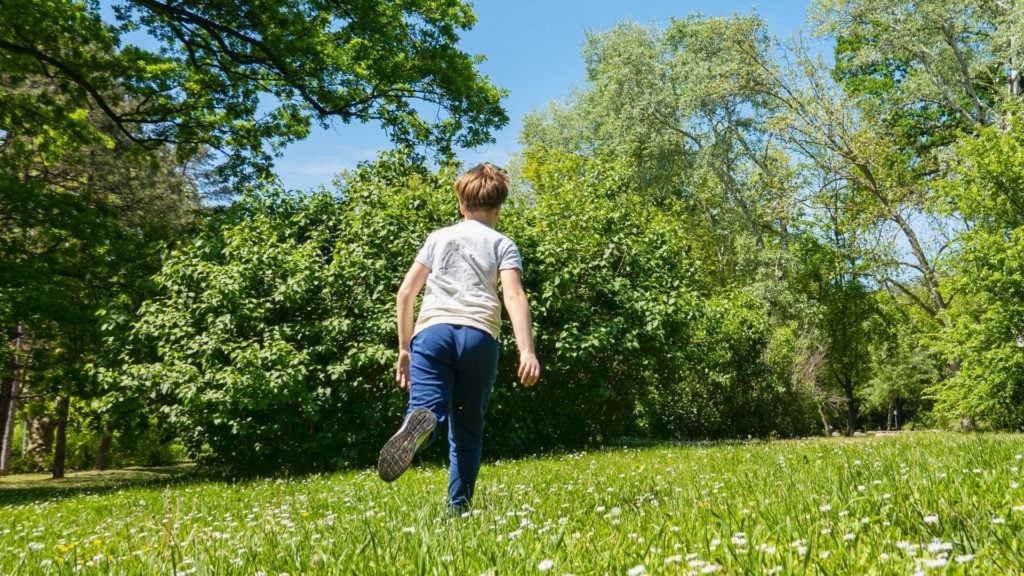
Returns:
point(936, 503)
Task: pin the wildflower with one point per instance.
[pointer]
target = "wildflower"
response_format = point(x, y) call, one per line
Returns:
point(35, 546)
point(998, 520)
point(935, 562)
point(409, 530)
point(937, 546)
point(861, 488)
point(638, 570)
point(849, 537)
point(739, 539)
point(931, 519)
point(1018, 508)
point(615, 511)
point(964, 558)
point(710, 568)
point(674, 559)
point(545, 565)
point(773, 571)
point(825, 508)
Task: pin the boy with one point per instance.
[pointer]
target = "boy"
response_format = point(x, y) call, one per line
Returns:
point(448, 361)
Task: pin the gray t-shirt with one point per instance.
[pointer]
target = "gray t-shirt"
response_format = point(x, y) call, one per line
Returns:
point(462, 288)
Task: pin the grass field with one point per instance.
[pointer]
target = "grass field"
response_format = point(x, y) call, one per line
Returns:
point(921, 502)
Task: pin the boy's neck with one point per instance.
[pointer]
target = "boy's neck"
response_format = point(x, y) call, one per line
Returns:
point(488, 218)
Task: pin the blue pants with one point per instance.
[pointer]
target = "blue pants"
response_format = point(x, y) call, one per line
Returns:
point(452, 373)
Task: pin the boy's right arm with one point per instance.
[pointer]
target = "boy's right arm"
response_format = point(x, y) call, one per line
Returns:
point(519, 312)
point(404, 303)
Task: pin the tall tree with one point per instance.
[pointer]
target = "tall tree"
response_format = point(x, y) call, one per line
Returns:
point(694, 127)
point(914, 76)
point(245, 78)
point(984, 333)
point(11, 386)
point(80, 231)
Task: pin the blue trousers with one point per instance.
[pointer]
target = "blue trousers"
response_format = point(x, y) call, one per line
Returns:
point(452, 372)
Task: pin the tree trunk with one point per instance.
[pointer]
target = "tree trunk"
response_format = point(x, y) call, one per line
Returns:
point(39, 435)
point(9, 394)
point(824, 420)
point(851, 408)
point(8, 410)
point(897, 411)
point(889, 414)
point(61, 444)
point(103, 454)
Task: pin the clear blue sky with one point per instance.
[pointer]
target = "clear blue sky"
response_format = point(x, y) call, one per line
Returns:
point(533, 50)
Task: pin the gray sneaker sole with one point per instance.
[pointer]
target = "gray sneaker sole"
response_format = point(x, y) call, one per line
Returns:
point(396, 455)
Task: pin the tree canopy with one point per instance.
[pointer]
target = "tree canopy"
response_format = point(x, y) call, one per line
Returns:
point(243, 78)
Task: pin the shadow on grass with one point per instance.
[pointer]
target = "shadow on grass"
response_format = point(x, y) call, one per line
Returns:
point(29, 488)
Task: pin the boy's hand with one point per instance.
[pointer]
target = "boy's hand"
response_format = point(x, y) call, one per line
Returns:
point(529, 369)
point(402, 369)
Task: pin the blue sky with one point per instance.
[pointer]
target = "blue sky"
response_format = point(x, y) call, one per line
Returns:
point(533, 50)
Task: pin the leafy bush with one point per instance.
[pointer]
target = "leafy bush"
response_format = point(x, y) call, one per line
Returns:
point(272, 342)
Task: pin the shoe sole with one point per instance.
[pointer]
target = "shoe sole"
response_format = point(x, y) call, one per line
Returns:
point(396, 455)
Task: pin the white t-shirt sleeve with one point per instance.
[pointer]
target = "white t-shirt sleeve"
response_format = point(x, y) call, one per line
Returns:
point(426, 254)
point(510, 258)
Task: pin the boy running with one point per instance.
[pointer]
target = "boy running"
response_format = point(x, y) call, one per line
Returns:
point(448, 361)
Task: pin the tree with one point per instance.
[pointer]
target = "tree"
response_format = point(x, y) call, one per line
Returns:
point(915, 76)
point(984, 334)
point(80, 231)
point(243, 79)
point(694, 128)
point(960, 59)
point(902, 366)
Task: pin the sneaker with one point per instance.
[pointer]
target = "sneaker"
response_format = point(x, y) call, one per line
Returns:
point(396, 455)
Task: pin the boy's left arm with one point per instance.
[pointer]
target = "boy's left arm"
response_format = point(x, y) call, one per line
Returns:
point(522, 325)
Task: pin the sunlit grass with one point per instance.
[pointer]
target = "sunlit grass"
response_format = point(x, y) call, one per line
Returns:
point(893, 505)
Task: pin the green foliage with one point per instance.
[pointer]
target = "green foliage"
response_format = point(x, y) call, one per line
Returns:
point(271, 339)
point(943, 63)
point(243, 79)
point(902, 366)
point(985, 336)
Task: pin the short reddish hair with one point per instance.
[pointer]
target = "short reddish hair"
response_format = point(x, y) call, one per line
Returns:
point(482, 187)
